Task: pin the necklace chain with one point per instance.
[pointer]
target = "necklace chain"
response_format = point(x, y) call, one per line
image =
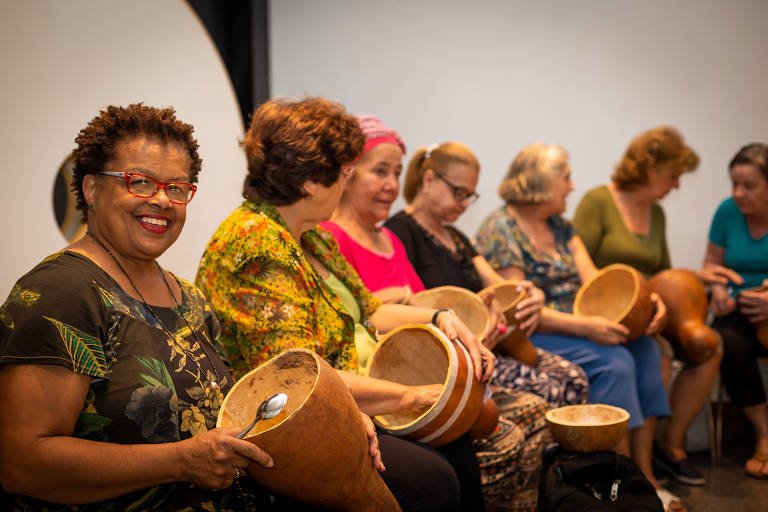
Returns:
point(212, 384)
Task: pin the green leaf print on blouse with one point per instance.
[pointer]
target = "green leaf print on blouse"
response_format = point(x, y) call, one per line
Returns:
point(85, 351)
point(155, 406)
point(158, 375)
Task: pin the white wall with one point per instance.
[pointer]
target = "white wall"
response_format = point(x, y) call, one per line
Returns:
point(587, 74)
point(62, 62)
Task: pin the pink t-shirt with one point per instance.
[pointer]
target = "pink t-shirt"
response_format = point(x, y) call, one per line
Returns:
point(377, 270)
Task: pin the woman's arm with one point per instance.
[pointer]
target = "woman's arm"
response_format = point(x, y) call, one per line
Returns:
point(718, 276)
point(487, 273)
point(39, 408)
point(714, 272)
point(594, 328)
point(581, 258)
point(377, 396)
point(390, 316)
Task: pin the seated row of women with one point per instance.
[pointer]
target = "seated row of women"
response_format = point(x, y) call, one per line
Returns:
point(113, 370)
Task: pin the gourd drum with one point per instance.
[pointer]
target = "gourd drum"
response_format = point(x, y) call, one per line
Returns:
point(419, 354)
point(317, 441)
point(618, 293)
point(761, 328)
point(588, 427)
point(684, 296)
point(515, 343)
point(467, 305)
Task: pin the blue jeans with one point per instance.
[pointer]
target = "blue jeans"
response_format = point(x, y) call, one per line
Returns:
point(627, 376)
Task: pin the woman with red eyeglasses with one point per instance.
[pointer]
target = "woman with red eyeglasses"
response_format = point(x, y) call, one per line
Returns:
point(110, 378)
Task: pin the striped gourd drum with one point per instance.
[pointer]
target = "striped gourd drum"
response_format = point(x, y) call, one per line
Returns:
point(317, 441)
point(419, 354)
point(618, 293)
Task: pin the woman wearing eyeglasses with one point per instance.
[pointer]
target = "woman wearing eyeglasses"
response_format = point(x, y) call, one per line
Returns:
point(508, 457)
point(110, 379)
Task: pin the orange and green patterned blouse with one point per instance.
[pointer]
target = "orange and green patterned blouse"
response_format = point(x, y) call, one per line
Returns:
point(269, 298)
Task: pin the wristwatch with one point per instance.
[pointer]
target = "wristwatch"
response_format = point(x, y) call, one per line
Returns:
point(441, 310)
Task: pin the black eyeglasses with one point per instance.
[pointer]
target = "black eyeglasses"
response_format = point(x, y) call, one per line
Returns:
point(460, 194)
point(140, 185)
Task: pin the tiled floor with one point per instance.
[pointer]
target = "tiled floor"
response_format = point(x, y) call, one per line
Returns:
point(727, 489)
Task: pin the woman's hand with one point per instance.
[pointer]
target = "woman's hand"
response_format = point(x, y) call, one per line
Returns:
point(528, 311)
point(214, 459)
point(754, 304)
point(373, 442)
point(482, 358)
point(659, 320)
point(721, 301)
point(420, 398)
point(603, 331)
point(713, 273)
point(497, 327)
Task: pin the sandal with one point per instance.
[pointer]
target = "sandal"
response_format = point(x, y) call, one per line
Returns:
point(671, 502)
point(762, 459)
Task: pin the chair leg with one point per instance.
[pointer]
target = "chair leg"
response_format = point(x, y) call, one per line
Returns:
point(719, 423)
point(713, 434)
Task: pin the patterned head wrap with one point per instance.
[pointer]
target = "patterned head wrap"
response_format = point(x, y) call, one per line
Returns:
point(377, 133)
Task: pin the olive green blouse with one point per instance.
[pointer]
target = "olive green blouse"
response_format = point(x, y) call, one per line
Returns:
point(609, 240)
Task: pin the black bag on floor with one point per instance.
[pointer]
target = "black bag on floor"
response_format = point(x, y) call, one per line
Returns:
point(594, 482)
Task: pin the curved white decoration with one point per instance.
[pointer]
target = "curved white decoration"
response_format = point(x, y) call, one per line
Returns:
point(62, 62)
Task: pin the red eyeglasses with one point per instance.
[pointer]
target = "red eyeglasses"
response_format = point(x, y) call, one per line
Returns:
point(140, 185)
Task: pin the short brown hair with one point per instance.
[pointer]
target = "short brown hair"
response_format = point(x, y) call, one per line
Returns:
point(529, 175)
point(663, 145)
point(96, 143)
point(290, 142)
point(755, 154)
point(436, 158)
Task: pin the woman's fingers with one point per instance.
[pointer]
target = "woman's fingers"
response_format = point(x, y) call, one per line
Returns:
point(373, 442)
point(211, 459)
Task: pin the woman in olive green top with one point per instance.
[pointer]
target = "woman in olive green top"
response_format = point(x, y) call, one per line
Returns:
point(623, 223)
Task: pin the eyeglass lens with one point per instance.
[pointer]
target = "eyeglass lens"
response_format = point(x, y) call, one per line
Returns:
point(144, 186)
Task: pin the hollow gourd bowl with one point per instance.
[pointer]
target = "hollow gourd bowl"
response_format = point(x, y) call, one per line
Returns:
point(618, 293)
point(588, 427)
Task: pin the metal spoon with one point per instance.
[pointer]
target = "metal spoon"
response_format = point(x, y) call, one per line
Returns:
point(269, 408)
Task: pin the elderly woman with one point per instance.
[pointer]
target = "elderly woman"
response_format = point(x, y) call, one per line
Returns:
point(736, 267)
point(529, 239)
point(623, 223)
point(278, 282)
point(110, 380)
point(509, 457)
point(439, 186)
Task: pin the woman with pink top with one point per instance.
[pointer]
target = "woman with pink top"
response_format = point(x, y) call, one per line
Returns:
point(510, 457)
point(375, 252)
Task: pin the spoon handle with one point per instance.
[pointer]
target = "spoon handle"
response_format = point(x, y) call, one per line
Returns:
point(247, 429)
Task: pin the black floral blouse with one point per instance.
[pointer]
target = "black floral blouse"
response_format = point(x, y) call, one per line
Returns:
point(146, 387)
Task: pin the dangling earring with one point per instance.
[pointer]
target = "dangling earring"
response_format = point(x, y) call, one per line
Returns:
point(91, 206)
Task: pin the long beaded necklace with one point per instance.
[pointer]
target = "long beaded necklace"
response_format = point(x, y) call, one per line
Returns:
point(212, 384)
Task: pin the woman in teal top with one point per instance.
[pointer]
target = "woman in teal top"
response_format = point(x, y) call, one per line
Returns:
point(737, 260)
point(623, 223)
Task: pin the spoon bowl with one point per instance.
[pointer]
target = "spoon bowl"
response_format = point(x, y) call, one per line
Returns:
point(269, 408)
